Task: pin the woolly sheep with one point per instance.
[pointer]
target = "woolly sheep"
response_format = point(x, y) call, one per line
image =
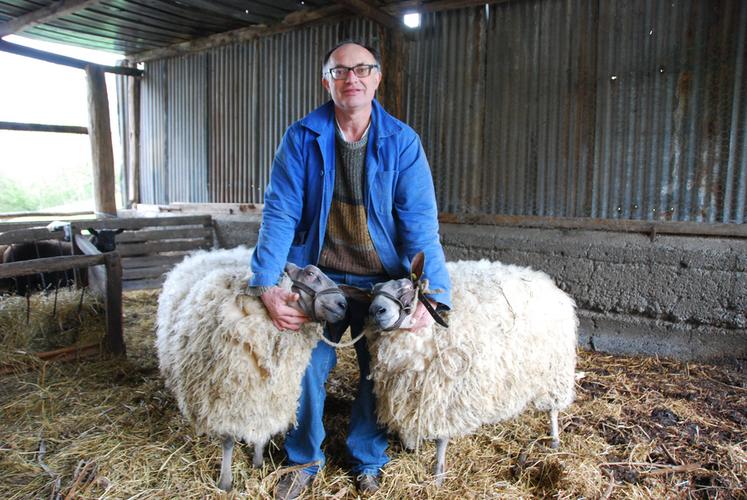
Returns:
point(234, 374)
point(511, 342)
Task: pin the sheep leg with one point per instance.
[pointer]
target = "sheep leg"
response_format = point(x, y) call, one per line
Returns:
point(259, 450)
point(439, 471)
point(554, 429)
point(226, 477)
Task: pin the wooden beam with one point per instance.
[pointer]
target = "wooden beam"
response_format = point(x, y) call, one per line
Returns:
point(133, 141)
point(114, 338)
point(21, 50)
point(292, 21)
point(51, 12)
point(40, 127)
point(372, 12)
point(49, 264)
point(436, 5)
point(394, 62)
point(101, 143)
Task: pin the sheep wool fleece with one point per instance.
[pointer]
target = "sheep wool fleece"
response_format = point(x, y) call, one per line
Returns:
point(511, 342)
point(231, 371)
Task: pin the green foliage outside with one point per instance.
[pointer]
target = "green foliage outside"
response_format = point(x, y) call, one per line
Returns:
point(71, 186)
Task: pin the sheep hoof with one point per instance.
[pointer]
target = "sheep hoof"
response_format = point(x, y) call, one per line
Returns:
point(438, 480)
point(224, 484)
point(555, 444)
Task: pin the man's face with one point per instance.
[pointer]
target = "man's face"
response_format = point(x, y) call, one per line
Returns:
point(351, 93)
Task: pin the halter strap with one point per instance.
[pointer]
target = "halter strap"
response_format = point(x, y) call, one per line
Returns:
point(314, 294)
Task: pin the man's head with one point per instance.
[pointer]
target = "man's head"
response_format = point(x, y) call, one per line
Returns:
point(357, 74)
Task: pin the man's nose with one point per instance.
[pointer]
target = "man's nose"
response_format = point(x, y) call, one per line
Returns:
point(350, 76)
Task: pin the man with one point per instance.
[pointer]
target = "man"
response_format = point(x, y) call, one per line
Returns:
point(351, 191)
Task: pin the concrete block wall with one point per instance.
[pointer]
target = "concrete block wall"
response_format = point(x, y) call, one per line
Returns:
point(680, 297)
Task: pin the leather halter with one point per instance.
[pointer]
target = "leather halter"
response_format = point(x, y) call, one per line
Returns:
point(314, 294)
point(405, 311)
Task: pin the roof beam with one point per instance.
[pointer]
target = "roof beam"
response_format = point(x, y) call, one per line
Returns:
point(290, 22)
point(45, 14)
point(372, 12)
point(42, 55)
point(436, 5)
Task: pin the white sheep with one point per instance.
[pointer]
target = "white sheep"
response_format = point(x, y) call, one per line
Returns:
point(511, 342)
point(234, 374)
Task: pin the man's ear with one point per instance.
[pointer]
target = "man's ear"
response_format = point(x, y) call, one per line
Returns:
point(325, 82)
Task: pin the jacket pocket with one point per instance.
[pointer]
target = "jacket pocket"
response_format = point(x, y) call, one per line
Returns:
point(382, 191)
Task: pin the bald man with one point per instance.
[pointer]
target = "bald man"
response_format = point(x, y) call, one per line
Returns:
point(351, 192)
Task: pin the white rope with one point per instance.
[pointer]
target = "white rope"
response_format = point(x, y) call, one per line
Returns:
point(338, 345)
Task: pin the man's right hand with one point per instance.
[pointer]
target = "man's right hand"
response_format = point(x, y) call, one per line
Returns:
point(283, 316)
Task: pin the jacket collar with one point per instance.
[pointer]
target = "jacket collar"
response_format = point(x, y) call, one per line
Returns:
point(322, 120)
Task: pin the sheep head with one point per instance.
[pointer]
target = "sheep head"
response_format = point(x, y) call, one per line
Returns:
point(319, 297)
point(393, 303)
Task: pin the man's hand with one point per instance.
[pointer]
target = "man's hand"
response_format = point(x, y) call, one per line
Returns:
point(283, 316)
point(421, 318)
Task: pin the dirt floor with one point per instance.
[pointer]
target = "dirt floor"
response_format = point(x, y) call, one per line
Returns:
point(640, 428)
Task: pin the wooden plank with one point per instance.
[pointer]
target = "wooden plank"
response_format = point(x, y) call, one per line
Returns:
point(101, 143)
point(142, 284)
point(114, 338)
point(152, 260)
point(291, 22)
point(436, 5)
point(48, 264)
point(588, 224)
point(30, 215)
point(96, 274)
point(45, 14)
point(21, 50)
point(29, 235)
point(372, 12)
point(143, 222)
point(148, 248)
point(146, 272)
point(133, 141)
point(41, 127)
point(165, 234)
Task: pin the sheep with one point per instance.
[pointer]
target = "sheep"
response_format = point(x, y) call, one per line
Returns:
point(511, 342)
point(30, 250)
point(234, 375)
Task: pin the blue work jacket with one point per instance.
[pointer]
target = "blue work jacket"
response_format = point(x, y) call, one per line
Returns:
point(399, 198)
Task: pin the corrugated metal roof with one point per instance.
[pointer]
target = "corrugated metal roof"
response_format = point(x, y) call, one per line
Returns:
point(130, 27)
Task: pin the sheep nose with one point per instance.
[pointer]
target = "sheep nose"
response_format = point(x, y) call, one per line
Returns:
point(342, 304)
point(381, 311)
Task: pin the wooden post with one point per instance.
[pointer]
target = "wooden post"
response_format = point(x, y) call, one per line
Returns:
point(100, 134)
point(114, 338)
point(393, 55)
point(133, 136)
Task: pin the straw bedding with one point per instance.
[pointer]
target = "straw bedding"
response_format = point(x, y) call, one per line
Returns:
point(107, 428)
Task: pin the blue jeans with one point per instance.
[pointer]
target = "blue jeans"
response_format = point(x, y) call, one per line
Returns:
point(367, 441)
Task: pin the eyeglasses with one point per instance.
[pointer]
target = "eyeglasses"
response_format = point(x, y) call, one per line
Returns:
point(361, 71)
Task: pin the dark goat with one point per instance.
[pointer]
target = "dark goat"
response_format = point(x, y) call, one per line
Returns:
point(21, 285)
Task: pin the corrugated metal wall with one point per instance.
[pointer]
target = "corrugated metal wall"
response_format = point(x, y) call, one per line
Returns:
point(633, 109)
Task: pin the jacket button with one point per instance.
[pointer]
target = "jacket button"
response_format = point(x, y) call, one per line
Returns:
point(321, 172)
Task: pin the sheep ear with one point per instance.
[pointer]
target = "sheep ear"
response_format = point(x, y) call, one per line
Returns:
point(291, 269)
point(357, 294)
point(417, 265)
